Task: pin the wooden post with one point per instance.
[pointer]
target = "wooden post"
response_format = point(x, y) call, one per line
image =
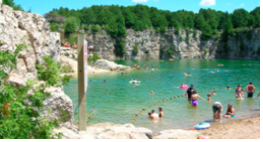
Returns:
point(82, 77)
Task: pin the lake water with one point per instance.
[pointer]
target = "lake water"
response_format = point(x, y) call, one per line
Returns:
point(118, 101)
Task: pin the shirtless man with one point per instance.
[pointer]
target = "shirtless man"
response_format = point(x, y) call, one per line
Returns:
point(154, 115)
point(250, 89)
point(194, 98)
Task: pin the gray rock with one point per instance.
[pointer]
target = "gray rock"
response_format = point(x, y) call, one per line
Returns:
point(177, 134)
point(108, 65)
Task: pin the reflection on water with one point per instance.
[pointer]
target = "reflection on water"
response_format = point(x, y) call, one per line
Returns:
point(117, 100)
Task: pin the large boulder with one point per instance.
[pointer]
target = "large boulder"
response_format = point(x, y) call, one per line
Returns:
point(108, 65)
point(58, 106)
point(105, 131)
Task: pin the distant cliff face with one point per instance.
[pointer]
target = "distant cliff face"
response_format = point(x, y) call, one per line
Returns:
point(152, 45)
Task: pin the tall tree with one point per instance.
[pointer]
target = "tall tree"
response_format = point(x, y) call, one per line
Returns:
point(240, 18)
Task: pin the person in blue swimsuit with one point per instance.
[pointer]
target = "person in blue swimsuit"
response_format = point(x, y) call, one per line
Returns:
point(239, 92)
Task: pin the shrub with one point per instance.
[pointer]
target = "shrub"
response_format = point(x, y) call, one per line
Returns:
point(50, 71)
point(135, 49)
point(93, 58)
point(19, 112)
point(95, 29)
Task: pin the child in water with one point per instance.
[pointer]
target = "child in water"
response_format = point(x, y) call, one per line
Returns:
point(230, 111)
point(209, 98)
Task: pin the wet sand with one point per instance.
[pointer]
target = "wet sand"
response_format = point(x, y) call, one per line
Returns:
point(248, 128)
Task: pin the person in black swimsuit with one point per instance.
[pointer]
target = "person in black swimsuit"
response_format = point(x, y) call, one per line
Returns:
point(190, 92)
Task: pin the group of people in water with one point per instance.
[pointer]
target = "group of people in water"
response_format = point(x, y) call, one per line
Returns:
point(155, 116)
point(138, 67)
point(193, 97)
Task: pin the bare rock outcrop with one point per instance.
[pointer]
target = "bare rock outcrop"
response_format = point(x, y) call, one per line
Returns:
point(108, 65)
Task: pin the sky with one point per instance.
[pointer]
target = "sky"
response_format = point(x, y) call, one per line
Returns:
point(44, 6)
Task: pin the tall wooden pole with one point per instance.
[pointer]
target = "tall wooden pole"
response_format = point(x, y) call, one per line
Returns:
point(82, 76)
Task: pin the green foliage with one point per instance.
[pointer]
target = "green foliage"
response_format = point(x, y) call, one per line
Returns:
point(187, 34)
point(181, 39)
point(135, 49)
point(169, 52)
point(53, 27)
point(72, 39)
point(93, 58)
point(177, 30)
point(240, 18)
point(13, 5)
point(19, 111)
point(194, 33)
point(50, 71)
point(95, 28)
point(120, 48)
point(70, 26)
point(140, 17)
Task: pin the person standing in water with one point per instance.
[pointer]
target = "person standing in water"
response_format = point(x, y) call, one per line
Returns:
point(194, 98)
point(217, 111)
point(230, 111)
point(209, 98)
point(239, 92)
point(189, 92)
point(160, 112)
point(250, 89)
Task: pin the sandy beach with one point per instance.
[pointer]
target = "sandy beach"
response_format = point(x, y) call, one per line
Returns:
point(248, 128)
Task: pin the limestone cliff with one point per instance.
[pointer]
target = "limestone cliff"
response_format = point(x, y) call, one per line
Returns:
point(33, 30)
point(152, 45)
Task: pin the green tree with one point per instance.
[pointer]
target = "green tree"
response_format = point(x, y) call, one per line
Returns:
point(240, 18)
point(87, 16)
point(256, 17)
point(199, 21)
point(130, 18)
point(70, 26)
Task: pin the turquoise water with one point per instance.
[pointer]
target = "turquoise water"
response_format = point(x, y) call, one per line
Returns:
point(117, 101)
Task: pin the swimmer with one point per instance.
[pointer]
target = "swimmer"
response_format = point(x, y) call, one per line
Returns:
point(228, 88)
point(239, 92)
point(209, 98)
point(154, 115)
point(149, 115)
point(226, 70)
point(213, 93)
point(152, 69)
point(137, 84)
point(160, 112)
point(213, 72)
point(194, 98)
point(105, 80)
point(230, 111)
point(138, 67)
point(122, 73)
point(250, 89)
point(152, 93)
